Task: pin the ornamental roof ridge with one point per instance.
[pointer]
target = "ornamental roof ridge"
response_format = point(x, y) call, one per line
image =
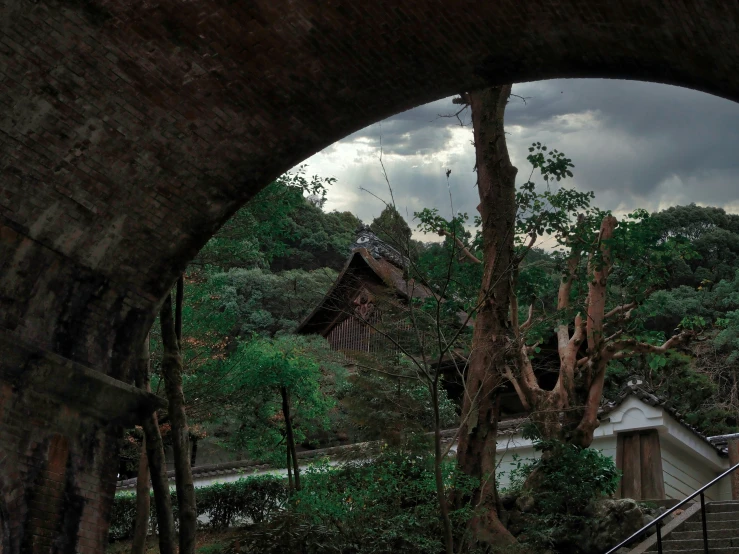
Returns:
point(378, 248)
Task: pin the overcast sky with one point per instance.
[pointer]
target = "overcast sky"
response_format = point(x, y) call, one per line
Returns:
point(635, 144)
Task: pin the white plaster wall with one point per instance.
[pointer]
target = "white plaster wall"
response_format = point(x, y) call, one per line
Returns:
point(511, 447)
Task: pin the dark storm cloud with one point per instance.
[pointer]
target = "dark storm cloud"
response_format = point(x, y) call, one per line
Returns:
point(422, 130)
point(646, 133)
point(635, 144)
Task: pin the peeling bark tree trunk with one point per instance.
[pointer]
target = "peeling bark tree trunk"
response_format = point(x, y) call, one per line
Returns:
point(172, 373)
point(478, 433)
point(157, 467)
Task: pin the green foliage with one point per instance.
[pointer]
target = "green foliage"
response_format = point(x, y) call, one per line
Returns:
point(242, 302)
point(316, 239)
point(387, 505)
point(378, 404)
point(262, 229)
point(216, 548)
point(390, 227)
point(254, 499)
point(690, 392)
point(714, 235)
point(282, 229)
point(567, 480)
point(247, 399)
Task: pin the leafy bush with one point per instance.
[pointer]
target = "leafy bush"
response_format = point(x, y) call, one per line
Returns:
point(563, 484)
point(253, 499)
point(384, 506)
point(387, 505)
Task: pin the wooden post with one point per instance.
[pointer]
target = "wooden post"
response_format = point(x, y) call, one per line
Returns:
point(733, 446)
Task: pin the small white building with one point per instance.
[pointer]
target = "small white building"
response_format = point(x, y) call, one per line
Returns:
point(660, 455)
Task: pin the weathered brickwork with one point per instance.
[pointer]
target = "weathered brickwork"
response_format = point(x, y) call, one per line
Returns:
point(129, 131)
point(59, 424)
point(57, 469)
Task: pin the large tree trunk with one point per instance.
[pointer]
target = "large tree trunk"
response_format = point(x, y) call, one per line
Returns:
point(478, 433)
point(733, 448)
point(172, 373)
point(141, 527)
point(157, 466)
point(178, 310)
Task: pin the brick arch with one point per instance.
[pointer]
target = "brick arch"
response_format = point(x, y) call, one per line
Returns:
point(130, 131)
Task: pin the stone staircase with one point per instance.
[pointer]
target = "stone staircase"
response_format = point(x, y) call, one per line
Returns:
point(722, 520)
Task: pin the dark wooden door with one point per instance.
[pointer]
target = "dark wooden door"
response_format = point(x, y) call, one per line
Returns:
point(639, 457)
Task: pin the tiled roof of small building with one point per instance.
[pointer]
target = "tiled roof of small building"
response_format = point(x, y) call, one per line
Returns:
point(636, 387)
point(378, 248)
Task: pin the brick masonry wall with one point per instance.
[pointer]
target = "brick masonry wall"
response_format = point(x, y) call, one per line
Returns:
point(130, 131)
point(57, 476)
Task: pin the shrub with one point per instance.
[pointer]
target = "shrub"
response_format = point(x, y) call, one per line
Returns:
point(387, 505)
point(247, 500)
point(254, 499)
point(563, 483)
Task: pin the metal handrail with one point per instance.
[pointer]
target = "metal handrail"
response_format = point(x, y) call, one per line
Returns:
point(656, 521)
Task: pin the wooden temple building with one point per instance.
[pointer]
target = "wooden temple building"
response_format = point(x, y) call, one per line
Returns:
point(373, 279)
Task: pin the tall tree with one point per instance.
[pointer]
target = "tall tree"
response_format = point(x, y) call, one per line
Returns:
point(392, 228)
point(157, 467)
point(607, 271)
point(503, 345)
point(480, 409)
point(172, 374)
point(274, 392)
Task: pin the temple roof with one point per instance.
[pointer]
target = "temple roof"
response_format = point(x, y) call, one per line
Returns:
point(373, 264)
point(377, 248)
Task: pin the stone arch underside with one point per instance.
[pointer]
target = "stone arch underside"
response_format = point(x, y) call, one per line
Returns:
point(130, 131)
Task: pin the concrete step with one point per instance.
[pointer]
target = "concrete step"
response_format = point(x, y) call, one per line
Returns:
point(721, 525)
point(722, 507)
point(713, 533)
point(670, 545)
point(718, 516)
point(700, 551)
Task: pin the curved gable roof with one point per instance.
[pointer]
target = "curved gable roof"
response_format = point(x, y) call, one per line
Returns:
point(361, 269)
